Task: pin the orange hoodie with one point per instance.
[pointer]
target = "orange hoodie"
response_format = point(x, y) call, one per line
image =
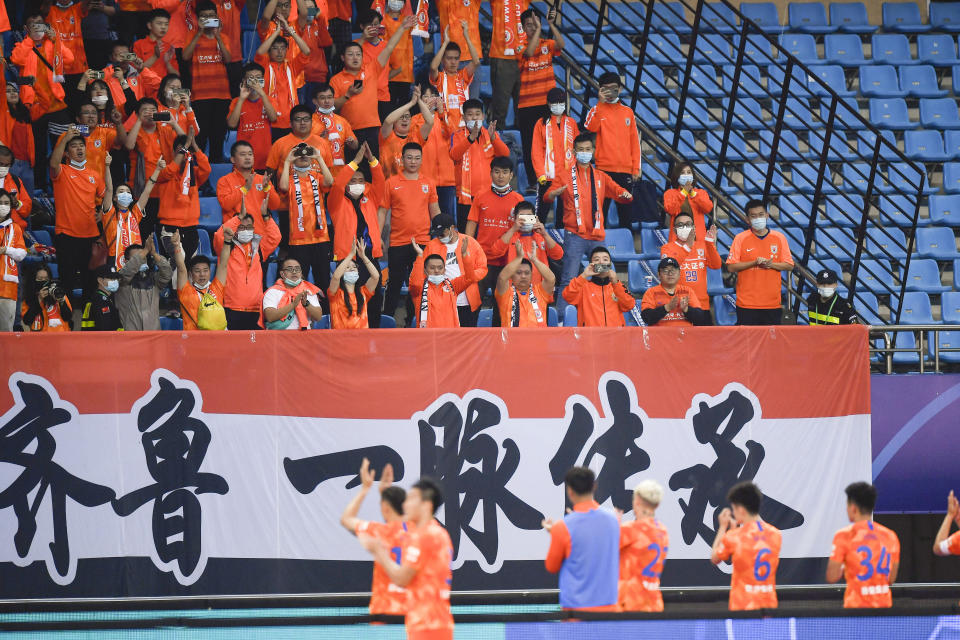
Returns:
point(618, 141)
point(244, 288)
point(598, 305)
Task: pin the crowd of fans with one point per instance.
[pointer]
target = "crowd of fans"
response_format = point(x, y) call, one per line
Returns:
point(119, 108)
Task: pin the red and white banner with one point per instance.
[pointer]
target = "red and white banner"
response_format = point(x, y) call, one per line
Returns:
point(162, 463)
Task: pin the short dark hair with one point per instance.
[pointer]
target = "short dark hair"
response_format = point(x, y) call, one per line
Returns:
point(83, 103)
point(586, 136)
point(526, 262)
point(523, 205)
point(179, 141)
point(252, 66)
point(301, 108)
point(158, 13)
point(753, 204)
point(281, 40)
point(747, 495)
point(286, 260)
point(597, 250)
point(144, 101)
point(472, 103)
point(198, 259)
point(34, 14)
point(452, 46)
point(350, 45)
point(863, 495)
point(236, 145)
point(5, 152)
point(320, 88)
point(580, 480)
point(434, 256)
point(205, 5)
point(368, 16)
point(411, 146)
point(609, 77)
point(132, 247)
point(501, 162)
point(394, 496)
point(683, 213)
point(118, 43)
point(529, 13)
point(429, 489)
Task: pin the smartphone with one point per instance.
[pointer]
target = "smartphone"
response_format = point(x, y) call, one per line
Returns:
point(210, 23)
point(382, 31)
point(83, 129)
point(161, 116)
point(98, 75)
point(167, 241)
point(312, 13)
point(128, 57)
point(358, 84)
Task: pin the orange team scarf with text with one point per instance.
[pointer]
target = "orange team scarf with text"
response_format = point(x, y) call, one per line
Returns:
point(272, 80)
point(128, 230)
point(11, 271)
point(462, 92)
point(594, 202)
point(512, 28)
point(317, 206)
point(515, 307)
point(30, 68)
point(550, 166)
point(466, 187)
point(422, 28)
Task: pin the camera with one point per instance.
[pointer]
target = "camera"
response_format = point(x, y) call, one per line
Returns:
point(83, 129)
point(128, 57)
point(161, 116)
point(602, 268)
point(210, 23)
point(183, 93)
point(303, 150)
point(55, 291)
point(98, 75)
point(255, 82)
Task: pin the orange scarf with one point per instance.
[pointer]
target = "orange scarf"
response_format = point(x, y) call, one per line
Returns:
point(514, 39)
point(466, 187)
point(288, 296)
point(34, 65)
point(422, 28)
point(550, 165)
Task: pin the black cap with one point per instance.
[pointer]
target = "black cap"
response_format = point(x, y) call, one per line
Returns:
point(440, 224)
point(107, 271)
point(668, 262)
point(827, 276)
point(556, 95)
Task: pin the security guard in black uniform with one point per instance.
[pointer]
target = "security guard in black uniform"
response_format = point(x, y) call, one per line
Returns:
point(99, 310)
point(825, 306)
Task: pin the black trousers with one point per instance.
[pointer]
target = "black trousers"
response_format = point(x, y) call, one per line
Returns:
point(131, 25)
point(315, 260)
point(42, 140)
point(189, 239)
point(400, 262)
point(489, 282)
point(242, 320)
point(526, 121)
point(543, 208)
point(468, 317)
point(213, 126)
point(759, 317)
point(463, 212)
point(624, 211)
point(98, 52)
point(73, 260)
point(149, 221)
point(399, 94)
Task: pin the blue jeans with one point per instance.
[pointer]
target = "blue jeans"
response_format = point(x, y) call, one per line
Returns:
point(574, 249)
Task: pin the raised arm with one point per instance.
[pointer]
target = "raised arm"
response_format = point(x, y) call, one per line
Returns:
point(384, 56)
point(549, 282)
point(503, 280)
point(474, 54)
point(387, 128)
point(349, 518)
point(192, 45)
point(151, 183)
point(438, 56)
point(268, 42)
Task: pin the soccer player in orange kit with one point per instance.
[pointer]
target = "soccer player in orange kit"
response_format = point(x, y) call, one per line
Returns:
point(386, 598)
point(946, 544)
point(754, 547)
point(643, 550)
point(424, 564)
point(867, 552)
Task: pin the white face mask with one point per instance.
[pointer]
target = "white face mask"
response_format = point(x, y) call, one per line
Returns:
point(683, 232)
point(113, 285)
point(351, 277)
point(292, 283)
point(325, 110)
point(472, 124)
point(504, 189)
point(244, 236)
point(78, 165)
point(99, 100)
point(450, 238)
point(558, 108)
point(4, 171)
point(826, 292)
point(758, 224)
point(685, 180)
point(356, 189)
point(4, 210)
point(124, 199)
point(301, 169)
point(526, 228)
point(436, 279)
point(201, 287)
point(395, 5)
point(584, 157)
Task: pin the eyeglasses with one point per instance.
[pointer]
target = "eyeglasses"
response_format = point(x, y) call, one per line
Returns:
point(292, 269)
point(301, 119)
point(684, 226)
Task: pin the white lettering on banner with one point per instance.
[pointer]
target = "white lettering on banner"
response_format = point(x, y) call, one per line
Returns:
point(273, 487)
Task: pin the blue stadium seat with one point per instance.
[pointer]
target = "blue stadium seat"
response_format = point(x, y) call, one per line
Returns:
point(764, 14)
point(798, 88)
point(670, 17)
point(757, 51)
point(613, 47)
point(712, 48)
point(916, 308)
point(703, 82)
point(844, 210)
point(42, 236)
point(886, 244)
point(840, 150)
point(891, 48)
point(719, 18)
point(945, 16)
point(947, 340)
point(945, 210)
point(211, 215)
point(805, 176)
point(897, 211)
point(388, 322)
point(802, 46)
point(833, 77)
point(687, 146)
point(649, 113)
point(890, 113)
point(844, 49)
point(788, 148)
point(903, 340)
point(737, 148)
point(749, 84)
point(937, 242)
point(205, 247)
point(754, 179)
point(664, 49)
point(552, 318)
point(867, 140)
point(795, 238)
point(939, 113)
point(950, 307)
point(920, 81)
point(951, 142)
point(715, 284)
point(808, 17)
point(838, 244)
point(483, 77)
point(880, 81)
point(903, 17)
point(577, 48)
point(866, 306)
point(620, 244)
point(171, 324)
point(924, 275)
point(851, 17)
point(747, 114)
point(695, 114)
point(938, 49)
point(582, 16)
point(324, 322)
point(650, 243)
point(485, 319)
point(875, 276)
point(637, 277)
point(652, 82)
point(856, 176)
point(649, 171)
point(724, 311)
point(951, 177)
point(797, 114)
point(570, 316)
point(847, 115)
point(250, 43)
point(217, 171)
point(907, 180)
point(794, 210)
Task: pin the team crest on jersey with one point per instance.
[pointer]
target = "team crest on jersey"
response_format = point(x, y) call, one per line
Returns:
point(339, 127)
point(259, 187)
point(543, 51)
point(773, 248)
point(227, 6)
point(363, 200)
point(626, 121)
point(96, 143)
point(699, 253)
point(466, 3)
point(92, 181)
point(424, 188)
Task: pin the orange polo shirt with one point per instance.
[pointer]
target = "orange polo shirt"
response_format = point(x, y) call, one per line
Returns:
point(76, 193)
point(340, 318)
point(402, 56)
point(757, 287)
point(658, 296)
point(493, 214)
point(451, 12)
point(66, 22)
point(694, 263)
point(530, 316)
point(409, 202)
point(360, 110)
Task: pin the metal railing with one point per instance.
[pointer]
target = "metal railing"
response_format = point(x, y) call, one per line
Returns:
point(924, 344)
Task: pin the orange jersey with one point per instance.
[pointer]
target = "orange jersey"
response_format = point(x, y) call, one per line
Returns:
point(472, 161)
point(232, 189)
point(451, 12)
point(230, 13)
point(120, 230)
point(493, 214)
point(694, 263)
point(179, 191)
point(454, 90)
point(430, 552)
point(386, 598)
point(77, 192)
point(509, 252)
point(343, 318)
point(557, 156)
point(66, 22)
point(658, 296)
point(147, 47)
point(99, 143)
point(370, 52)
point(190, 298)
point(618, 141)
point(282, 147)
point(507, 38)
point(409, 202)
point(530, 315)
point(281, 84)
point(402, 56)
point(308, 217)
point(604, 187)
point(360, 110)
point(867, 551)
point(755, 550)
point(209, 71)
point(391, 147)
point(536, 74)
point(49, 318)
point(757, 287)
point(150, 147)
point(436, 152)
point(254, 127)
point(643, 550)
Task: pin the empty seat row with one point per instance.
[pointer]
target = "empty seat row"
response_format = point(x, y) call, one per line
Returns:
point(846, 210)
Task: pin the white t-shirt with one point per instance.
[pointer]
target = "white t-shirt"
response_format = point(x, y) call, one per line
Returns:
point(453, 270)
point(272, 298)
